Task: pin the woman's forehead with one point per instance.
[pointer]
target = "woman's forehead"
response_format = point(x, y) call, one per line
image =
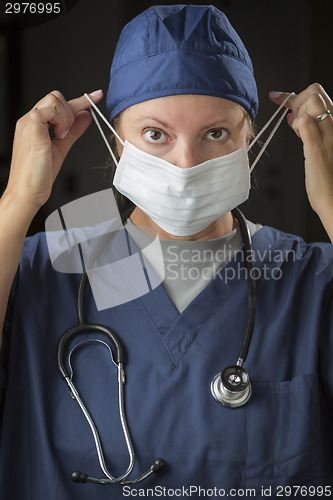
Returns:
point(179, 108)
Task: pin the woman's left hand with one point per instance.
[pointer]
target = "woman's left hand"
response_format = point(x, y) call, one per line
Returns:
point(317, 138)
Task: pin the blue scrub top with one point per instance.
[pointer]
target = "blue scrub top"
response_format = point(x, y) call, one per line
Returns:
point(283, 436)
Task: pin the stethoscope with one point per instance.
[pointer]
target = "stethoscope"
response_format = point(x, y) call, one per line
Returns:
point(230, 388)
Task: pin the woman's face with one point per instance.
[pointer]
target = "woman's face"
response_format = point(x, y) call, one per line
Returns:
point(185, 130)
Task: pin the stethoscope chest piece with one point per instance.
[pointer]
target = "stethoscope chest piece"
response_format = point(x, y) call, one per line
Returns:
point(232, 387)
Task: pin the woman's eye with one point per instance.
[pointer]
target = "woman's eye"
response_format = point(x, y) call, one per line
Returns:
point(153, 135)
point(217, 134)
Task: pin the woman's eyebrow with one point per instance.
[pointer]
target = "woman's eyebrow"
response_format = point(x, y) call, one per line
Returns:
point(218, 122)
point(150, 117)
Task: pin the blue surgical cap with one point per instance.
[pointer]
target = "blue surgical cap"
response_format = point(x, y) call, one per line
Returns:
point(180, 49)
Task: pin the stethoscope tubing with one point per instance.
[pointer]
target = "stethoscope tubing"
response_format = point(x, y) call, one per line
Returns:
point(248, 254)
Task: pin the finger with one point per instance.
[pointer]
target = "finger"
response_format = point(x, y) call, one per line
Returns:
point(52, 97)
point(76, 106)
point(296, 101)
point(278, 97)
point(313, 107)
point(292, 103)
point(306, 129)
point(316, 88)
point(66, 110)
point(82, 103)
point(80, 125)
point(56, 100)
point(39, 124)
point(324, 122)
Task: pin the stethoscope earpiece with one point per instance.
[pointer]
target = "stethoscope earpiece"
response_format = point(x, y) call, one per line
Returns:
point(232, 387)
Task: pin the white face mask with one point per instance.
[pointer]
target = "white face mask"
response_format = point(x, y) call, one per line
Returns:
point(184, 201)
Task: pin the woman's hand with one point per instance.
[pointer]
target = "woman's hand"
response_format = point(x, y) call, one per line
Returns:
point(37, 158)
point(317, 138)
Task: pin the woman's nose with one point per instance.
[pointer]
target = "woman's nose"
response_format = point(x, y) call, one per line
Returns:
point(186, 155)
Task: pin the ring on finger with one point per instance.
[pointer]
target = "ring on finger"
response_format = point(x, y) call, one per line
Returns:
point(322, 116)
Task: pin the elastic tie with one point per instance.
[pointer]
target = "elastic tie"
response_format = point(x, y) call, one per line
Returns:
point(100, 128)
point(268, 140)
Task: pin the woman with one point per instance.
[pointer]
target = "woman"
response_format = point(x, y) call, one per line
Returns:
point(182, 91)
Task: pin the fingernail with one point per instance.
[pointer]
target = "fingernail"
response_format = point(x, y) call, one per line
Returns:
point(64, 134)
point(275, 94)
point(96, 93)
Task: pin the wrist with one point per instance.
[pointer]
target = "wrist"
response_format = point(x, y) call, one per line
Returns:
point(325, 213)
point(18, 207)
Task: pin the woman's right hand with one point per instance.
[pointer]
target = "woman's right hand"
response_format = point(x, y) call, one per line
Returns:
point(36, 158)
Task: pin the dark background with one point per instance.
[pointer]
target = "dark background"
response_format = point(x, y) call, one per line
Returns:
point(290, 43)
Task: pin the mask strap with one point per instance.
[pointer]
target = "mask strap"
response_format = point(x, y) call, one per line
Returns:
point(268, 140)
point(94, 107)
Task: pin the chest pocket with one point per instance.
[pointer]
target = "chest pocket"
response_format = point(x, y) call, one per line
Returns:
point(283, 434)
